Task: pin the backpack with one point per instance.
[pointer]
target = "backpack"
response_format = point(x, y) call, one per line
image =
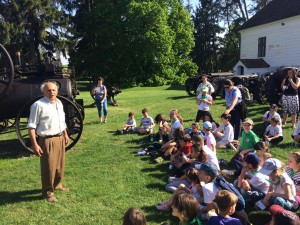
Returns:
point(223, 184)
point(245, 92)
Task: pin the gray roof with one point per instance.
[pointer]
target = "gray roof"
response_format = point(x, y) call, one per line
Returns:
point(275, 10)
point(255, 63)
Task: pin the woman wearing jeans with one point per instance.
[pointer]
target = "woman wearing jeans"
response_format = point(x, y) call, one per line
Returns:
point(100, 93)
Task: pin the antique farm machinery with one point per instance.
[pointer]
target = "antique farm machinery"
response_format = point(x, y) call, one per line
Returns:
point(20, 88)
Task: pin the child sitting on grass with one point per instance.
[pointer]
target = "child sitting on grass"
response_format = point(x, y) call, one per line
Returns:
point(161, 121)
point(147, 124)
point(226, 202)
point(273, 133)
point(185, 207)
point(195, 159)
point(252, 184)
point(293, 170)
point(192, 187)
point(224, 134)
point(195, 130)
point(184, 150)
point(130, 124)
point(209, 137)
point(207, 175)
point(282, 190)
point(272, 113)
point(134, 217)
point(209, 118)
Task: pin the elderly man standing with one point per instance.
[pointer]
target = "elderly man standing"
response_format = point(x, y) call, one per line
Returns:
point(47, 121)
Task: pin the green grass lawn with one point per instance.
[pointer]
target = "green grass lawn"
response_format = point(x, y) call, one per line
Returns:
point(102, 171)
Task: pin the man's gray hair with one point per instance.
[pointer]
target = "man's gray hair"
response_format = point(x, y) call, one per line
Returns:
point(46, 82)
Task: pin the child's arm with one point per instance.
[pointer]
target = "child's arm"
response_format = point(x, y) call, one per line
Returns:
point(287, 193)
point(208, 101)
point(271, 138)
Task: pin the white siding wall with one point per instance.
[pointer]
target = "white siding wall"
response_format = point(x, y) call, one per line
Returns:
point(282, 42)
point(236, 69)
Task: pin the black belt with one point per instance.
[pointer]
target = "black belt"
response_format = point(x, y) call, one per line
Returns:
point(51, 136)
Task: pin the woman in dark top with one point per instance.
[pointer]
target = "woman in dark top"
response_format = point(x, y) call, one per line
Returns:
point(290, 102)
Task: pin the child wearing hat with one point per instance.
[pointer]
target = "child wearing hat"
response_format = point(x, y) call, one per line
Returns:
point(253, 185)
point(209, 137)
point(272, 113)
point(204, 100)
point(249, 138)
point(208, 189)
point(281, 216)
point(282, 190)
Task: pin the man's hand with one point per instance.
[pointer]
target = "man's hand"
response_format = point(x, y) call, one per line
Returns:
point(227, 111)
point(66, 137)
point(37, 150)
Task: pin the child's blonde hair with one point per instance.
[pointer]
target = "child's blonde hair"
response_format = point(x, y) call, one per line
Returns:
point(176, 113)
point(225, 199)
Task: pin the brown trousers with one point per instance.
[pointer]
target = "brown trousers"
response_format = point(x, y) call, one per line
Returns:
point(52, 163)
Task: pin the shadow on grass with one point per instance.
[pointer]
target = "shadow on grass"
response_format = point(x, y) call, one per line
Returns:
point(178, 97)
point(153, 216)
point(176, 87)
point(12, 149)
point(20, 196)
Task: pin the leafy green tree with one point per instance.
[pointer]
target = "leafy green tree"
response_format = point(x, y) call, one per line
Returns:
point(135, 42)
point(207, 30)
point(33, 26)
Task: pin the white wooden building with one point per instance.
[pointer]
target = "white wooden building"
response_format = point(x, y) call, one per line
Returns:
point(270, 39)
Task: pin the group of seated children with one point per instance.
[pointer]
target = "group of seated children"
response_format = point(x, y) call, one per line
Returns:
point(260, 179)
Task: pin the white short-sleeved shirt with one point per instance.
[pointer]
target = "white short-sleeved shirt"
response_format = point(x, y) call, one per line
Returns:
point(212, 156)
point(175, 125)
point(259, 181)
point(279, 188)
point(46, 117)
point(210, 191)
point(228, 134)
point(131, 122)
point(147, 122)
point(273, 131)
point(297, 129)
point(210, 140)
point(203, 105)
point(268, 115)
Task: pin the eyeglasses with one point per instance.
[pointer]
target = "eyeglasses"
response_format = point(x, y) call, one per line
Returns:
point(226, 87)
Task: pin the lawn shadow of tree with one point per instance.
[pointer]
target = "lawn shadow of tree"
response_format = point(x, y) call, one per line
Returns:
point(12, 149)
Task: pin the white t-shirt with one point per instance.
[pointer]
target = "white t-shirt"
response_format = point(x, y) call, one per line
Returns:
point(228, 134)
point(278, 188)
point(273, 131)
point(147, 122)
point(131, 122)
point(212, 156)
point(203, 105)
point(210, 191)
point(267, 115)
point(175, 125)
point(210, 140)
point(259, 181)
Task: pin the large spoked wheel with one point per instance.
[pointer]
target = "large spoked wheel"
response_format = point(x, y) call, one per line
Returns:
point(6, 71)
point(3, 125)
point(73, 119)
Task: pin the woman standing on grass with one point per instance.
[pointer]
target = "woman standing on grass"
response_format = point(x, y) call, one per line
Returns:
point(100, 93)
point(290, 101)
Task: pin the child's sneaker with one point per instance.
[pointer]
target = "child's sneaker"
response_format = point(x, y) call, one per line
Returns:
point(171, 179)
point(141, 153)
point(163, 207)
